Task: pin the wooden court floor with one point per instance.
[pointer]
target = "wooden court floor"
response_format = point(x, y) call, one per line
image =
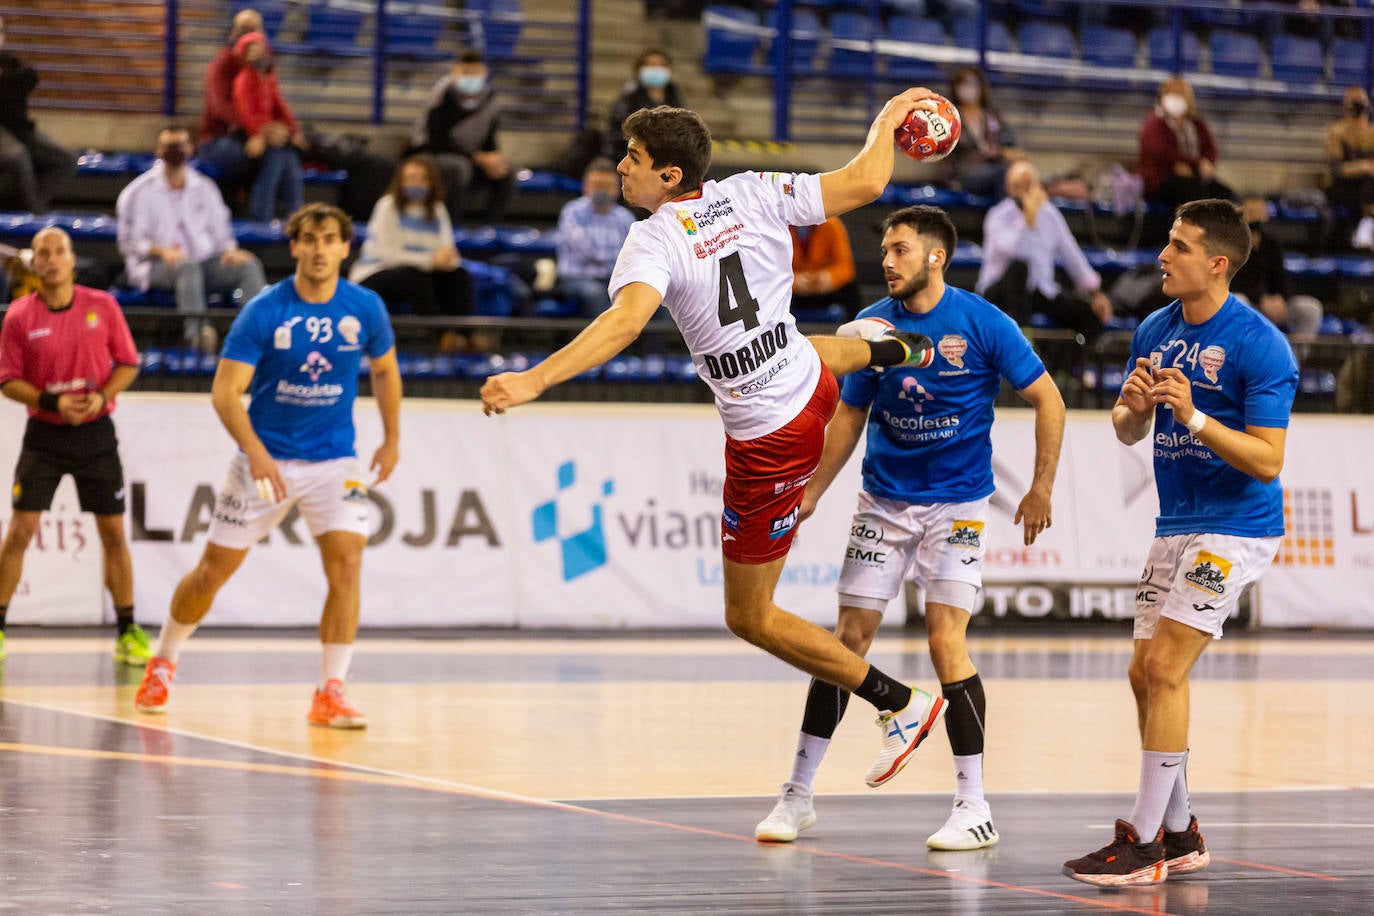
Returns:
point(600, 774)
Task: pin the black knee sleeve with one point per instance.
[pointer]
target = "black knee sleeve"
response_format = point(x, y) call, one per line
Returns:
point(825, 705)
point(966, 714)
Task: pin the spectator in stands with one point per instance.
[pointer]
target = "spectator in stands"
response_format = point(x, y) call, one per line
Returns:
point(409, 258)
point(823, 268)
point(652, 86)
point(33, 167)
point(987, 146)
point(220, 152)
point(1349, 146)
point(1178, 156)
point(459, 129)
point(274, 139)
point(591, 230)
point(1024, 238)
point(1262, 281)
point(174, 233)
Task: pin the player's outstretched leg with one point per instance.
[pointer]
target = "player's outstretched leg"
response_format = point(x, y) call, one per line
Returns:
point(887, 347)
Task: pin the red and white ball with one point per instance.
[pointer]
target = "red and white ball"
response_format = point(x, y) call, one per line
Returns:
point(929, 136)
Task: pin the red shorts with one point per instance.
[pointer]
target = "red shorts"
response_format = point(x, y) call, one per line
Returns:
point(766, 477)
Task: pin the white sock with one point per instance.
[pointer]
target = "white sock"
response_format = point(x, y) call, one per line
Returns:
point(968, 777)
point(1180, 811)
point(1158, 774)
point(172, 637)
point(810, 752)
point(336, 659)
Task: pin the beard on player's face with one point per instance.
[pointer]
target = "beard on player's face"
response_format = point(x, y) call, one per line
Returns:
point(914, 285)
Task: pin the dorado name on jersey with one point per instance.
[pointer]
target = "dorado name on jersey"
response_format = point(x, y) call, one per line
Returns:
point(721, 260)
point(306, 358)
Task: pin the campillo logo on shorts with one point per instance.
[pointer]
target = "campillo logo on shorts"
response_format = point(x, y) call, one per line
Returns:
point(355, 491)
point(966, 533)
point(779, 526)
point(1209, 573)
point(581, 551)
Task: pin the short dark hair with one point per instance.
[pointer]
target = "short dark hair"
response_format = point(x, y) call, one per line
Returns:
point(928, 221)
point(673, 136)
point(471, 56)
point(1224, 231)
point(651, 52)
point(315, 213)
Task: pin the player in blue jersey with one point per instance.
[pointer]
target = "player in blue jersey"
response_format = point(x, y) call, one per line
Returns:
point(1216, 381)
point(296, 349)
point(927, 480)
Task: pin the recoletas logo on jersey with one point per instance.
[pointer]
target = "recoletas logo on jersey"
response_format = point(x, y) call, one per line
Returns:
point(913, 391)
point(1209, 573)
point(953, 347)
point(966, 533)
point(349, 326)
point(1211, 360)
point(689, 224)
point(316, 365)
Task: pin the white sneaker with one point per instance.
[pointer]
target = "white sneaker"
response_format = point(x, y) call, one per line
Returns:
point(969, 827)
point(903, 732)
point(1364, 233)
point(793, 813)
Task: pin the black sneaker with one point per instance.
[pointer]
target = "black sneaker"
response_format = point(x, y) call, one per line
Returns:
point(920, 349)
point(1185, 851)
point(1125, 861)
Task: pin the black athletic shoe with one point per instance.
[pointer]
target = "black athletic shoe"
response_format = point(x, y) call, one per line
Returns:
point(1125, 861)
point(1185, 851)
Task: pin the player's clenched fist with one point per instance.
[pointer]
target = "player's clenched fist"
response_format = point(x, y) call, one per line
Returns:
point(509, 389)
point(1136, 391)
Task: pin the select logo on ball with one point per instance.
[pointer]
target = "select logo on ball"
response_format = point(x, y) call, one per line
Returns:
point(929, 136)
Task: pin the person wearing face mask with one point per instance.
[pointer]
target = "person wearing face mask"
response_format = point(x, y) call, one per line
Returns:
point(409, 258)
point(174, 233)
point(987, 146)
point(651, 86)
point(1349, 147)
point(33, 167)
point(591, 231)
point(1262, 282)
point(458, 128)
point(823, 268)
point(1178, 155)
point(274, 138)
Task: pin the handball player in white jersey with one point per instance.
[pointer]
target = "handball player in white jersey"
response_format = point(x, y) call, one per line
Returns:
point(718, 255)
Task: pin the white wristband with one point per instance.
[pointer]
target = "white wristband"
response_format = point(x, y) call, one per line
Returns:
point(1196, 421)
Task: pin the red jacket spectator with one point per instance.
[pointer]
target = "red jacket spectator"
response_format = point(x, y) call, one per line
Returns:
point(220, 117)
point(257, 97)
point(1160, 151)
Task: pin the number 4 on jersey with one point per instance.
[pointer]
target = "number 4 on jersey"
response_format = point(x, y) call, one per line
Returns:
point(732, 284)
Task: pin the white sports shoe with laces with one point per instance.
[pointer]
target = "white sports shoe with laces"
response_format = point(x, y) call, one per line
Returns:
point(903, 732)
point(969, 827)
point(793, 813)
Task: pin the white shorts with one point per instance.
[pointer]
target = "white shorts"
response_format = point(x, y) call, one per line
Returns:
point(889, 540)
point(1197, 579)
point(330, 496)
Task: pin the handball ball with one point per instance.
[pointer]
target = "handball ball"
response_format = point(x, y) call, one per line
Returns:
point(929, 136)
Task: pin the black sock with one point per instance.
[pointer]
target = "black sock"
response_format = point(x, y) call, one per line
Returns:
point(4, 608)
point(965, 716)
point(883, 692)
point(124, 618)
point(887, 352)
point(825, 705)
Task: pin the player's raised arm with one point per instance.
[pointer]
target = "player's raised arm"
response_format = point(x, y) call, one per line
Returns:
point(612, 331)
point(864, 177)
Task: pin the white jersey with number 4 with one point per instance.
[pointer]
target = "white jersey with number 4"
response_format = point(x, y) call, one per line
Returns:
point(722, 260)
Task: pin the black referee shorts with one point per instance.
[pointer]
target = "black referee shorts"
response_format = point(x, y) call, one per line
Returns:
point(90, 453)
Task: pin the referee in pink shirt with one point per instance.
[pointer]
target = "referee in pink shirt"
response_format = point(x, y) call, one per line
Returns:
point(65, 353)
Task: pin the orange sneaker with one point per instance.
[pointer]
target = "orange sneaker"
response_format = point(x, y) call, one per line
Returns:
point(157, 680)
point(330, 709)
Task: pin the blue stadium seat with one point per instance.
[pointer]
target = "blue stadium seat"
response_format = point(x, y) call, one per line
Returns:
point(414, 36)
point(1348, 62)
point(1046, 39)
point(806, 40)
point(850, 61)
point(1044, 9)
point(1161, 47)
point(1108, 47)
point(1235, 54)
point(920, 30)
point(731, 50)
point(498, 26)
point(1296, 60)
point(333, 31)
point(966, 35)
point(273, 13)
